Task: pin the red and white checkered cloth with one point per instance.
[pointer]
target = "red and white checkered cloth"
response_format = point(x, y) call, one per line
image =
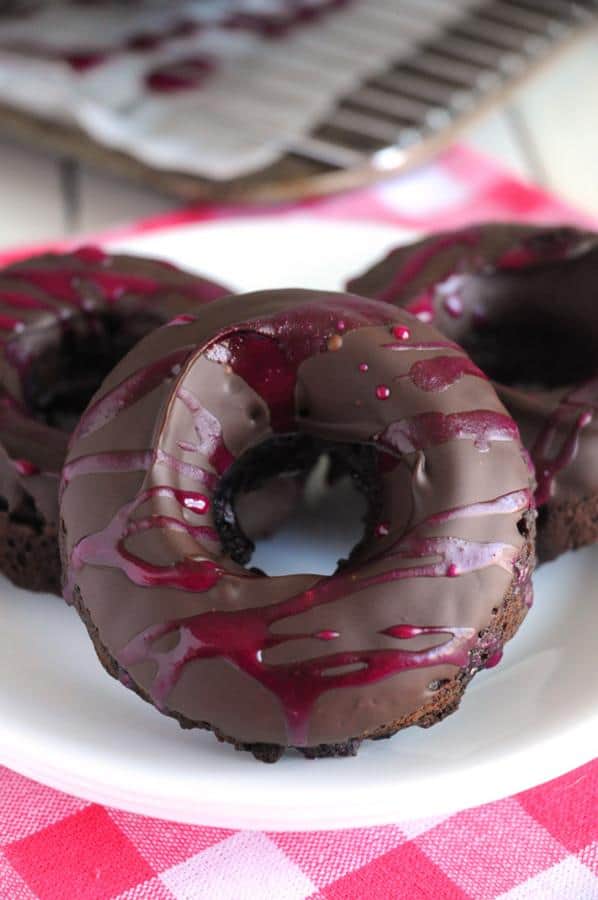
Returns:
point(539, 845)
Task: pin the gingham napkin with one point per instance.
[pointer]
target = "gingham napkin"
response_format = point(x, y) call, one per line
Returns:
point(539, 845)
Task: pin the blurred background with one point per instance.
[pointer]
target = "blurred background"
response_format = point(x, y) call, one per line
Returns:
point(111, 111)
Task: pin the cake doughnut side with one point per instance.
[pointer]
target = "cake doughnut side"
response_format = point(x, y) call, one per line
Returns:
point(522, 301)
point(154, 556)
point(65, 320)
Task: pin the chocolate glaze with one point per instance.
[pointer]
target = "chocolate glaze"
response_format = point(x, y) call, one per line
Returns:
point(64, 320)
point(522, 301)
point(301, 660)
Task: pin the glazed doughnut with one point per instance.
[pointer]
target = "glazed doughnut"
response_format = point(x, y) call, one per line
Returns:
point(522, 301)
point(155, 561)
point(65, 320)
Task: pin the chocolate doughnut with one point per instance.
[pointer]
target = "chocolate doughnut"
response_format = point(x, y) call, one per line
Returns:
point(521, 300)
point(154, 557)
point(65, 320)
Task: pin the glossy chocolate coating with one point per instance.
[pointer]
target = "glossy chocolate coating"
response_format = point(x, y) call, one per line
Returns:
point(299, 660)
point(54, 308)
point(522, 301)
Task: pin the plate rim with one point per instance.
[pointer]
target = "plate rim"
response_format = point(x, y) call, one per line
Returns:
point(115, 794)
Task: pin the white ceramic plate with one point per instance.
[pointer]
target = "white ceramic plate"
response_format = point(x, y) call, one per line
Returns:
point(65, 723)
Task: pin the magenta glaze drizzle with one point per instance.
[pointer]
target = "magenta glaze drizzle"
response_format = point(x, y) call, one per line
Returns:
point(66, 284)
point(270, 366)
point(447, 290)
point(429, 429)
point(440, 372)
point(25, 468)
point(420, 260)
point(243, 636)
point(117, 461)
point(129, 391)
point(531, 251)
point(527, 252)
point(494, 659)
point(264, 365)
point(108, 547)
point(183, 319)
point(209, 433)
point(563, 429)
point(9, 323)
point(90, 254)
point(134, 461)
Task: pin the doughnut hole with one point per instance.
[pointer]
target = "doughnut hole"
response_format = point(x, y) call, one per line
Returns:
point(63, 365)
point(326, 497)
point(524, 351)
point(534, 328)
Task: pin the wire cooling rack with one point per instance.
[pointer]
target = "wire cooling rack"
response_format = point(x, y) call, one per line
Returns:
point(397, 115)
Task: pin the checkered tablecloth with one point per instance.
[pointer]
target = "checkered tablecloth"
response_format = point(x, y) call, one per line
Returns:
point(539, 845)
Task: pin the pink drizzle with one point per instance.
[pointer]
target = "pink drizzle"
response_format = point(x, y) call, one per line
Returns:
point(242, 636)
point(269, 365)
point(25, 468)
point(20, 300)
point(210, 441)
point(538, 249)
point(494, 659)
point(183, 319)
point(418, 262)
point(563, 429)
point(129, 391)
point(91, 255)
point(108, 547)
point(109, 462)
point(67, 284)
point(441, 372)
point(8, 323)
point(429, 429)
